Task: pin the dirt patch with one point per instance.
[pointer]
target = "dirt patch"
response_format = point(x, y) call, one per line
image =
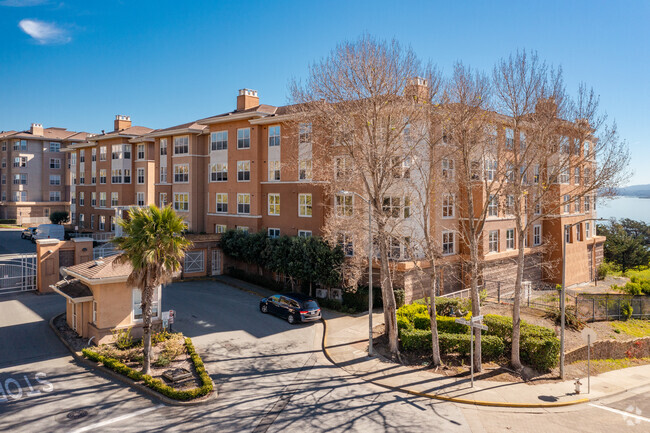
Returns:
point(603, 286)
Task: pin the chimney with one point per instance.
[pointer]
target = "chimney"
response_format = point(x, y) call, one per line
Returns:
point(36, 129)
point(122, 122)
point(418, 89)
point(246, 99)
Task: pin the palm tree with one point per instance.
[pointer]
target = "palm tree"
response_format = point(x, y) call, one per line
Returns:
point(154, 246)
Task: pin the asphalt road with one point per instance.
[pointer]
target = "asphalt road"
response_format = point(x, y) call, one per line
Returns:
point(11, 243)
point(271, 376)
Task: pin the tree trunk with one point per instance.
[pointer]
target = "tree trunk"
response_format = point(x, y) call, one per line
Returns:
point(515, 360)
point(147, 299)
point(435, 345)
point(388, 297)
point(476, 311)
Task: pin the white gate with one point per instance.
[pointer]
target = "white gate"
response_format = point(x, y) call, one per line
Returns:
point(216, 262)
point(106, 250)
point(17, 273)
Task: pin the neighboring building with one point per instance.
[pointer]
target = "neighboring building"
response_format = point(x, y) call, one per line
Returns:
point(34, 173)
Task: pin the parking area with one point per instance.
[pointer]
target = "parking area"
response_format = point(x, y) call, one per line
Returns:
point(12, 243)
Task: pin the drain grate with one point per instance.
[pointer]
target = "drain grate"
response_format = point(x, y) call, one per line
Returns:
point(76, 414)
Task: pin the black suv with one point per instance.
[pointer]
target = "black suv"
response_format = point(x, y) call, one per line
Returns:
point(294, 307)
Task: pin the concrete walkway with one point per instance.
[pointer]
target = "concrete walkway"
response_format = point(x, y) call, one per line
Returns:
point(346, 344)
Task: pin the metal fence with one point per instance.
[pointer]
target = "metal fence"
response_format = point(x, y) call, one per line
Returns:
point(106, 250)
point(611, 306)
point(17, 273)
point(98, 237)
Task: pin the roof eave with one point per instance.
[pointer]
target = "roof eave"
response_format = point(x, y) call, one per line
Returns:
point(70, 298)
point(230, 117)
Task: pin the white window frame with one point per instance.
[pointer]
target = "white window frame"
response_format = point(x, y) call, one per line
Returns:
point(305, 169)
point(344, 205)
point(243, 169)
point(115, 199)
point(273, 233)
point(493, 205)
point(182, 145)
point(180, 204)
point(305, 205)
point(274, 135)
point(243, 138)
point(219, 172)
point(163, 147)
point(274, 204)
point(510, 239)
point(448, 206)
point(448, 168)
point(537, 235)
point(274, 171)
point(243, 199)
point(163, 174)
point(220, 228)
point(140, 151)
point(139, 199)
point(493, 241)
point(162, 199)
point(219, 140)
point(304, 233)
point(194, 262)
point(448, 243)
point(140, 174)
point(155, 310)
point(221, 200)
point(182, 172)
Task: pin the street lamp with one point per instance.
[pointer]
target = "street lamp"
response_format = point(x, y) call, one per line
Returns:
point(563, 293)
point(343, 192)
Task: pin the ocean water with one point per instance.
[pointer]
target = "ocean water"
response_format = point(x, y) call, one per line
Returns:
point(625, 207)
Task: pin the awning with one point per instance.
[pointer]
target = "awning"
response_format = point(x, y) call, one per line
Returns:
point(73, 290)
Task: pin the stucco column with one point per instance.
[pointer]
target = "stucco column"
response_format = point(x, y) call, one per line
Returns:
point(83, 250)
point(47, 264)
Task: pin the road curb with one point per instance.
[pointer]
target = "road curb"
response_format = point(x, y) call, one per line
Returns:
point(450, 399)
point(142, 388)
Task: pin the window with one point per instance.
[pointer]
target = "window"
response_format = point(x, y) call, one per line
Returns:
point(587, 177)
point(536, 173)
point(73, 199)
point(55, 163)
point(510, 205)
point(82, 155)
point(21, 145)
point(116, 151)
point(510, 139)
point(346, 244)
point(342, 167)
point(102, 199)
point(82, 199)
point(274, 204)
point(537, 235)
point(93, 176)
point(304, 205)
point(222, 203)
point(140, 199)
point(395, 249)
point(55, 179)
point(493, 205)
point(193, 262)
point(587, 230)
point(4, 146)
point(22, 196)
point(81, 220)
point(163, 174)
point(587, 203)
point(576, 207)
point(243, 171)
point(181, 173)
point(567, 233)
point(140, 151)
point(493, 241)
point(114, 199)
point(181, 201)
point(116, 176)
point(576, 176)
point(274, 136)
point(274, 170)
point(522, 140)
point(510, 239)
point(102, 175)
point(304, 133)
point(492, 135)
point(579, 232)
point(4, 196)
point(4, 179)
point(344, 205)
point(304, 169)
point(392, 206)
point(304, 233)
point(55, 196)
point(564, 176)
point(244, 204)
point(490, 169)
point(402, 167)
point(93, 154)
point(162, 199)
point(82, 177)
point(4, 162)
point(181, 145)
point(21, 179)
point(163, 146)
point(448, 168)
point(93, 198)
point(407, 207)
point(219, 140)
point(220, 228)
point(448, 244)
point(141, 176)
point(448, 205)
point(20, 161)
point(55, 147)
point(274, 233)
point(102, 223)
point(244, 138)
point(137, 303)
point(72, 218)
point(567, 203)
point(219, 172)
point(102, 153)
point(587, 147)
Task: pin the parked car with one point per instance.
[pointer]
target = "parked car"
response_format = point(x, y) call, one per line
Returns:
point(28, 233)
point(294, 307)
point(49, 231)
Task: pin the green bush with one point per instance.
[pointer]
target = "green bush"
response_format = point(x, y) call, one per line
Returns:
point(399, 297)
point(162, 361)
point(8, 221)
point(419, 340)
point(123, 338)
point(448, 325)
point(403, 323)
point(412, 310)
point(447, 306)
point(626, 310)
point(540, 353)
point(422, 321)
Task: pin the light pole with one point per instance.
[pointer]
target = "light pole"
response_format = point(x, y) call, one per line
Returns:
point(563, 292)
point(343, 192)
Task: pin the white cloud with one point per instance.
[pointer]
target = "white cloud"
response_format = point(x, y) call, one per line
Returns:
point(44, 33)
point(22, 3)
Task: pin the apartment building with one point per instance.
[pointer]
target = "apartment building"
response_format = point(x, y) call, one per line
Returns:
point(34, 172)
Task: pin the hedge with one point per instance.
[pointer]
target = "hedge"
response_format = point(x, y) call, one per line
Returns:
point(420, 340)
point(8, 221)
point(445, 325)
point(157, 384)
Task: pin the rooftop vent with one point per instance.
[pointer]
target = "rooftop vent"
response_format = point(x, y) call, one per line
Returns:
point(246, 99)
point(122, 122)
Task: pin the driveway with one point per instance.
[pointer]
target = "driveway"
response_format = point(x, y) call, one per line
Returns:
point(11, 242)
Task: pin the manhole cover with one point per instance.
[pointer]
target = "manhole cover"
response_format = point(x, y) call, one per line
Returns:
point(76, 414)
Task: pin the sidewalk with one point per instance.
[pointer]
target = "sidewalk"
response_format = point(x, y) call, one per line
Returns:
point(346, 344)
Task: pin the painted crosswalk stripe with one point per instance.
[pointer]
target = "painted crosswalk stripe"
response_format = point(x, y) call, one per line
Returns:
point(621, 412)
point(118, 419)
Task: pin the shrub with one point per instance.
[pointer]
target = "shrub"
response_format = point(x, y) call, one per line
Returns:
point(412, 310)
point(626, 310)
point(399, 297)
point(173, 347)
point(403, 323)
point(161, 336)
point(447, 306)
point(59, 217)
point(123, 338)
point(540, 353)
point(419, 340)
point(162, 361)
point(422, 321)
point(8, 221)
point(448, 325)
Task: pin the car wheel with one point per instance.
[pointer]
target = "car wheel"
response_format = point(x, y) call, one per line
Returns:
point(291, 319)
point(264, 308)
point(22, 236)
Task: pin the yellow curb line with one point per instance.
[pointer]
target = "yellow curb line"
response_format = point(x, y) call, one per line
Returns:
point(451, 399)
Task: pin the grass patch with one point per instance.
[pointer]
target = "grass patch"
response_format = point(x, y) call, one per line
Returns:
point(604, 365)
point(633, 327)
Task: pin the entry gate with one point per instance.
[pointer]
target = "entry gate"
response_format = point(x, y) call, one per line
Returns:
point(17, 273)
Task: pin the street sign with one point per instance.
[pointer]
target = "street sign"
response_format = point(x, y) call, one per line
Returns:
point(463, 321)
point(172, 314)
point(477, 318)
point(588, 334)
point(165, 316)
point(474, 322)
point(478, 325)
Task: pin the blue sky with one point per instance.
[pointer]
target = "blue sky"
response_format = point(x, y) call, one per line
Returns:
point(78, 63)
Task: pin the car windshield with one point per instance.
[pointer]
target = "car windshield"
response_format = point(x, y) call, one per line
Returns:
point(310, 305)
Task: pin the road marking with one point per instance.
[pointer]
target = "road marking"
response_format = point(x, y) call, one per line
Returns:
point(118, 419)
point(621, 412)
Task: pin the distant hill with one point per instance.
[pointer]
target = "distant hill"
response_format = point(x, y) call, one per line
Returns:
point(635, 191)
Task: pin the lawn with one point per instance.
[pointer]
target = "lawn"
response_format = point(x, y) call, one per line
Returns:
point(633, 327)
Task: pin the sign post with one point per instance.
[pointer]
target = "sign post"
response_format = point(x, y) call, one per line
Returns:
point(587, 335)
point(474, 322)
point(172, 314)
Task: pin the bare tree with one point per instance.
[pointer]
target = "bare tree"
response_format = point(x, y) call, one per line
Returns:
point(363, 98)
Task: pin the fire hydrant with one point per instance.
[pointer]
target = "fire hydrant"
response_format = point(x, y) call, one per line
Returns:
point(577, 384)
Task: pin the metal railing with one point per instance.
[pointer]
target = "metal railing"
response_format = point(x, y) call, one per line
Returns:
point(17, 273)
point(105, 250)
point(98, 236)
